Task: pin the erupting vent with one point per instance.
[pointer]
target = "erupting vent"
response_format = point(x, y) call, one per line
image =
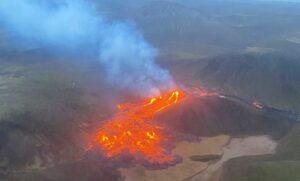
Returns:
point(131, 130)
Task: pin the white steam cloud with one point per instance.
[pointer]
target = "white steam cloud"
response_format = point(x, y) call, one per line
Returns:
point(129, 61)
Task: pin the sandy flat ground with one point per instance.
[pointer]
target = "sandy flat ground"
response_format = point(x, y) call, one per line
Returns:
point(186, 168)
point(237, 147)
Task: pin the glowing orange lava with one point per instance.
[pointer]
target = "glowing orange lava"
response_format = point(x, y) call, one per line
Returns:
point(131, 130)
point(203, 93)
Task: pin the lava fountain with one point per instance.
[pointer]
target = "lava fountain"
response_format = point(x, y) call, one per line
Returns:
point(133, 131)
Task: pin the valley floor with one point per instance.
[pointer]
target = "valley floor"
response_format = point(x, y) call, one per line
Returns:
point(189, 169)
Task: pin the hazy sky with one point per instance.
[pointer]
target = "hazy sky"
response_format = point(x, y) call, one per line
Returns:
point(282, 0)
point(264, 0)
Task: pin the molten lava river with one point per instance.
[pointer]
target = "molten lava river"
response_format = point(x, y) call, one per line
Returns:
point(131, 130)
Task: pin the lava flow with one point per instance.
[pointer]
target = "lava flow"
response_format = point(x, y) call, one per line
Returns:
point(199, 91)
point(131, 130)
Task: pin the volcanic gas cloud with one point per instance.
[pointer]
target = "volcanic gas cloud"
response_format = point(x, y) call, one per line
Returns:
point(133, 131)
point(128, 60)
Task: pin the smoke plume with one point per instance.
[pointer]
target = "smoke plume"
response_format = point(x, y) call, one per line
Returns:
point(72, 25)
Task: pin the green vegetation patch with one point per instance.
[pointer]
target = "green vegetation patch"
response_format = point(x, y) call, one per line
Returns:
point(289, 147)
point(269, 171)
point(284, 166)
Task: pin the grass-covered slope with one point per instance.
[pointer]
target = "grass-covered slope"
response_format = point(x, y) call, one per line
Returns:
point(270, 78)
point(47, 107)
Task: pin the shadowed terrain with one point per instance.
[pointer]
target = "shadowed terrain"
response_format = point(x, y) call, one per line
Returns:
point(247, 51)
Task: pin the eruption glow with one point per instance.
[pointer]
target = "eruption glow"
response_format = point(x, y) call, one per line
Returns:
point(199, 91)
point(131, 130)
